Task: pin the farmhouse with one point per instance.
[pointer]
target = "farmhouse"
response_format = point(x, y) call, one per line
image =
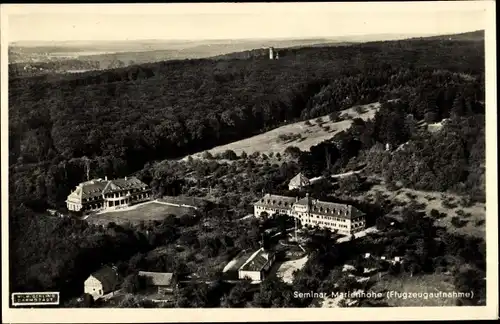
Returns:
point(102, 282)
point(343, 218)
point(162, 281)
point(298, 182)
point(257, 265)
point(99, 194)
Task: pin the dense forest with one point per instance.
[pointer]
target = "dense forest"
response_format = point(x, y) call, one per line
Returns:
point(116, 121)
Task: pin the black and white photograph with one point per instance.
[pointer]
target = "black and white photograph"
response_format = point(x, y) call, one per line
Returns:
point(329, 158)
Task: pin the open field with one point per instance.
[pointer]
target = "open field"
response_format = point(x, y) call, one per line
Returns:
point(287, 268)
point(474, 215)
point(143, 212)
point(432, 283)
point(310, 134)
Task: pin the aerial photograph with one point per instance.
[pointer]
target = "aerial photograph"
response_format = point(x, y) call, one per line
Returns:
point(252, 158)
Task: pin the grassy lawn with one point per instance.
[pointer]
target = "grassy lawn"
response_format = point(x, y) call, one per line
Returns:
point(311, 135)
point(431, 283)
point(143, 212)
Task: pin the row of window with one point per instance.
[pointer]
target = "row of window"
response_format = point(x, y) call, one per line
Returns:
point(112, 195)
point(326, 223)
point(329, 211)
point(314, 208)
point(343, 220)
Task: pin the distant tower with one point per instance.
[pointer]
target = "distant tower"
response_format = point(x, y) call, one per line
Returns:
point(271, 53)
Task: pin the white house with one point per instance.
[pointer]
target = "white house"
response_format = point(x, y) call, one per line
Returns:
point(102, 282)
point(99, 194)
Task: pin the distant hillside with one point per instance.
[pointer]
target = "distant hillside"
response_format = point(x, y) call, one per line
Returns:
point(477, 35)
point(47, 57)
point(122, 54)
point(353, 40)
point(260, 52)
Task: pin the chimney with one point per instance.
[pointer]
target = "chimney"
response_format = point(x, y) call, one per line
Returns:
point(106, 178)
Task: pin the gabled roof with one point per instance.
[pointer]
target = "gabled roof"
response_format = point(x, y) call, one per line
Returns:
point(329, 208)
point(257, 261)
point(108, 278)
point(157, 278)
point(275, 201)
point(89, 189)
point(299, 181)
point(96, 187)
point(122, 184)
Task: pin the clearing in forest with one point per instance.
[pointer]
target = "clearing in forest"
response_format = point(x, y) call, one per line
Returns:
point(302, 134)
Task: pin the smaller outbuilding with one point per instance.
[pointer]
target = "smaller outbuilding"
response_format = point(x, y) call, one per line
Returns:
point(161, 281)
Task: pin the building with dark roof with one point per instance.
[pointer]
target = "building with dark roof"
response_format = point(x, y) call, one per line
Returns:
point(298, 182)
point(162, 281)
point(257, 265)
point(273, 204)
point(99, 194)
point(102, 282)
point(342, 218)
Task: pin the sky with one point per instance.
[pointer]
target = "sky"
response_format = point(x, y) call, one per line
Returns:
point(238, 20)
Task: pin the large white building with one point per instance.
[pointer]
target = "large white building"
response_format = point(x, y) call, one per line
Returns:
point(345, 219)
point(99, 194)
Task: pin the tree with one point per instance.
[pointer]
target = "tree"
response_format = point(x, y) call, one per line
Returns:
point(133, 283)
point(240, 294)
point(293, 152)
point(229, 155)
point(88, 300)
point(207, 155)
point(350, 184)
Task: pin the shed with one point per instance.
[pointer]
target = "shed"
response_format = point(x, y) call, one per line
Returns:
point(162, 281)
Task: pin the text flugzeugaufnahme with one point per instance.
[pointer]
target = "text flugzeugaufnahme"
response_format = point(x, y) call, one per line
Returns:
point(391, 294)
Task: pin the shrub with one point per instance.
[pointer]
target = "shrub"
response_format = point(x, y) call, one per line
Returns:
point(307, 123)
point(359, 109)
point(479, 222)
point(255, 155)
point(229, 155)
point(207, 155)
point(293, 151)
point(467, 201)
point(335, 116)
point(435, 213)
point(457, 222)
point(448, 204)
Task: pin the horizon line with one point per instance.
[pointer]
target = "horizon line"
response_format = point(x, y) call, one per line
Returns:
point(247, 38)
